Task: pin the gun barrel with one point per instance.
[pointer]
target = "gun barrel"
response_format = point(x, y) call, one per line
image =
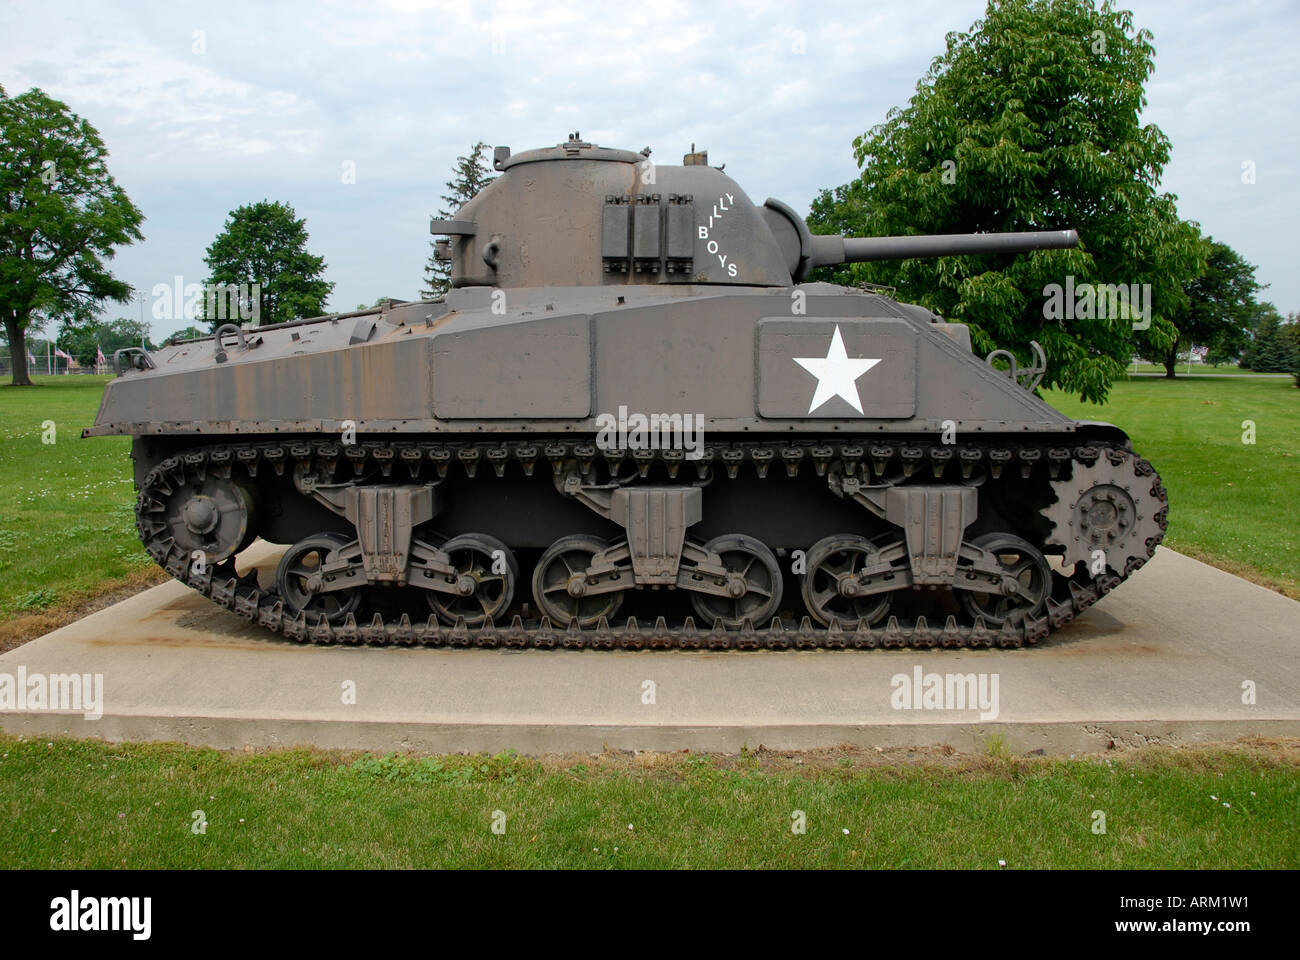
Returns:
point(828, 251)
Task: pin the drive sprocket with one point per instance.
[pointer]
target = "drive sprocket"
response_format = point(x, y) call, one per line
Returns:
point(1115, 504)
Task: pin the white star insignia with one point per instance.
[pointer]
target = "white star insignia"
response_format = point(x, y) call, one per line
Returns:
point(836, 374)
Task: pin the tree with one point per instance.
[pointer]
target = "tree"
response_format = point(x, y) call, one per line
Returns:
point(1030, 121)
point(1292, 328)
point(61, 217)
point(264, 244)
point(469, 176)
point(1218, 310)
point(843, 210)
point(189, 333)
point(1264, 316)
point(84, 341)
point(1274, 348)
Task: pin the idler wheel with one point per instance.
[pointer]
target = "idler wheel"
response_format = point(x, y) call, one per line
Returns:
point(561, 587)
point(831, 588)
point(216, 515)
point(486, 574)
point(299, 580)
point(753, 583)
point(1027, 581)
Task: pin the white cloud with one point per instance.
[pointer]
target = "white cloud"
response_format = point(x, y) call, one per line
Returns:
point(286, 93)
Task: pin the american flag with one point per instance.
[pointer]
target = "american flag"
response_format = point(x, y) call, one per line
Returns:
point(99, 355)
point(59, 353)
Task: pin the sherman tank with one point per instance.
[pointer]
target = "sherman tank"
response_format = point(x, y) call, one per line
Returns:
point(633, 422)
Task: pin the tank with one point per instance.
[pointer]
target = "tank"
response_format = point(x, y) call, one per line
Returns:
point(632, 422)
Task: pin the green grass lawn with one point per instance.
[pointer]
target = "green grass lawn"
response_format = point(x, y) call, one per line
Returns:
point(82, 804)
point(1231, 503)
point(1197, 368)
point(67, 508)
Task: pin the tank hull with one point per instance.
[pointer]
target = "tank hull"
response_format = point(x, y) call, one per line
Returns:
point(668, 441)
point(556, 360)
point(631, 423)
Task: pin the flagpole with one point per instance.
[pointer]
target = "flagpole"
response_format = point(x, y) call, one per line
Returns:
point(140, 298)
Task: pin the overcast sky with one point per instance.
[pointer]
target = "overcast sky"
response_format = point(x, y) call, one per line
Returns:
point(207, 106)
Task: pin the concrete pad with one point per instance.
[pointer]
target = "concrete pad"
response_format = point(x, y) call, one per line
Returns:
point(1162, 659)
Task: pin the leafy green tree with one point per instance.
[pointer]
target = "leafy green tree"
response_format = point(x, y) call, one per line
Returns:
point(470, 175)
point(61, 217)
point(1218, 310)
point(266, 244)
point(1030, 121)
point(1220, 353)
point(1274, 348)
point(843, 210)
point(84, 341)
point(189, 333)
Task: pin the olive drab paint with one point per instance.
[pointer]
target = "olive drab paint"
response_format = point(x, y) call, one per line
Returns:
point(591, 287)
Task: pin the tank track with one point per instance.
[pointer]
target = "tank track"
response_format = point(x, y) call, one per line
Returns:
point(243, 595)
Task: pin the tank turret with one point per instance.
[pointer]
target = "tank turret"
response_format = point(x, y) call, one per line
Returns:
point(581, 215)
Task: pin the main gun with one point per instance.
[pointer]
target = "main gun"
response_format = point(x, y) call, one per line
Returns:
point(831, 250)
point(804, 250)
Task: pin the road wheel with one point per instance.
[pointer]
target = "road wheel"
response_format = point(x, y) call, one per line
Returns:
point(830, 582)
point(753, 583)
point(560, 583)
point(485, 578)
point(1028, 578)
point(299, 583)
